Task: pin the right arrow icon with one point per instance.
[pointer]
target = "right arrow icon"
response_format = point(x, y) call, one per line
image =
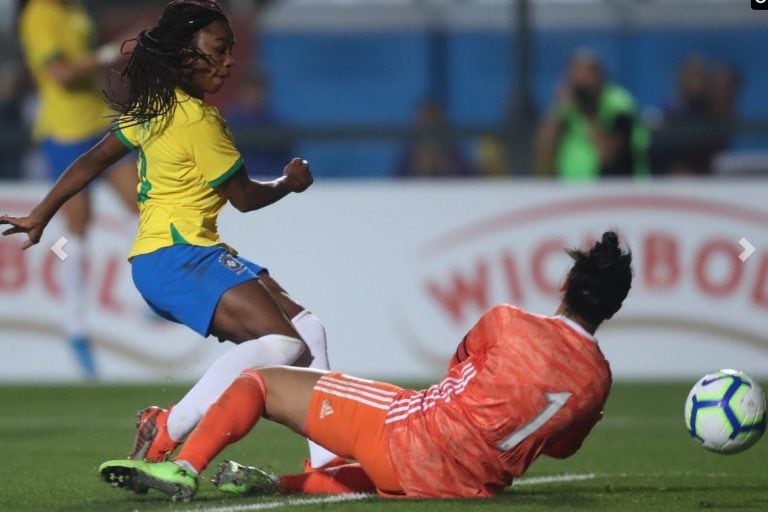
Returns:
point(749, 249)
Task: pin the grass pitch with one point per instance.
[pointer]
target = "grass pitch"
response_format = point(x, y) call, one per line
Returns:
point(639, 458)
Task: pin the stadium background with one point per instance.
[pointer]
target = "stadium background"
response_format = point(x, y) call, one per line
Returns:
point(398, 267)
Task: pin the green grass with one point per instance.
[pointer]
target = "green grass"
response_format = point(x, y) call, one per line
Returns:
point(52, 439)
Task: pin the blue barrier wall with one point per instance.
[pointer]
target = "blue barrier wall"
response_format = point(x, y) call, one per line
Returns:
point(337, 78)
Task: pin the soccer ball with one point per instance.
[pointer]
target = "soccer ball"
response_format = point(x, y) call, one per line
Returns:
point(725, 411)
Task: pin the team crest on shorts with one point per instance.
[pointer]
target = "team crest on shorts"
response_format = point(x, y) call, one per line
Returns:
point(231, 263)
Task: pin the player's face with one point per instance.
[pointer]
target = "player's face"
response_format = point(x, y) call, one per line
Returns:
point(216, 41)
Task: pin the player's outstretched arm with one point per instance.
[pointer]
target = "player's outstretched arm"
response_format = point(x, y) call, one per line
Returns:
point(89, 165)
point(247, 195)
point(570, 442)
point(69, 73)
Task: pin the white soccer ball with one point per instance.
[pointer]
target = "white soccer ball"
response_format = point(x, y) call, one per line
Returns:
point(725, 411)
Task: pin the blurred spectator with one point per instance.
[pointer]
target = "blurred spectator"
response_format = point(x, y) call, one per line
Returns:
point(694, 125)
point(431, 153)
point(491, 151)
point(491, 156)
point(258, 129)
point(12, 133)
point(592, 129)
point(726, 85)
point(508, 149)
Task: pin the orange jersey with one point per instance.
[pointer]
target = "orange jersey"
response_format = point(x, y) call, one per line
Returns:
point(520, 385)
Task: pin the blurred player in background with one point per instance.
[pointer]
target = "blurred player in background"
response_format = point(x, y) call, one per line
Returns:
point(189, 168)
point(519, 385)
point(593, 128)
point(57, 37)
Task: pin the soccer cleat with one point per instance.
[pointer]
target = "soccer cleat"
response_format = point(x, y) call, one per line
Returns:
point(139, 475)
point(236, 478)
point(152, 441)
point(83, 349)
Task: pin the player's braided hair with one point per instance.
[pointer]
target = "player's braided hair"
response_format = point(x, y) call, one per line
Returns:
point(162, 60)
point(599, 280)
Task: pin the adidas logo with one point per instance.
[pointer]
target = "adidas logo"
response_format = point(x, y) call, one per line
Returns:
point(326, 409)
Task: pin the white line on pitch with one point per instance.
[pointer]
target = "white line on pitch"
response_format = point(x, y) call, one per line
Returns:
point(568, 477)
point(285, 503)
point(269, 505)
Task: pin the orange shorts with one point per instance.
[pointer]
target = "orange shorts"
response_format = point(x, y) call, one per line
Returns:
point(346, 415)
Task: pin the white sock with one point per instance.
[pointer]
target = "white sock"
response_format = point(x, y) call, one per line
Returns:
point(74, 287)
point(313, 333)
point(269, 350)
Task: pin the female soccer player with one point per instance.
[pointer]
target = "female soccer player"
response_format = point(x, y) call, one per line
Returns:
point(189, 169)
point(57, 38)
point(519, 385)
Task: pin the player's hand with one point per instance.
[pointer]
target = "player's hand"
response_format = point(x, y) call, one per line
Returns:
point(108, 54)
point(32, 226)
point(298, 177)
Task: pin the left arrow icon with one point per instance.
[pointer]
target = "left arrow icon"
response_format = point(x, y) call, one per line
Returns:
point(58, 249)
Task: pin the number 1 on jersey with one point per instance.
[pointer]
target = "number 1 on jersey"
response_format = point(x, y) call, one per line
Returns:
point(556, 401)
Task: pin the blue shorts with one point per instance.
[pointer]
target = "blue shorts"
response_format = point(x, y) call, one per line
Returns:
point(60, 155)
point(184, 283)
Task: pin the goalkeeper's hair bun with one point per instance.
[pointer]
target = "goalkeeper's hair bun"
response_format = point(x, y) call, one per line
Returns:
point(599, 280)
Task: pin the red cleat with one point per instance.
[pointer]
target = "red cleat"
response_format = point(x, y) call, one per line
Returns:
point(152, 441)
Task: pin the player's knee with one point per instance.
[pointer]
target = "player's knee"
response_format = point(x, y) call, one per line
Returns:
point(303, 356)
point(254, 374)
point(304, 360)
point(279, 349)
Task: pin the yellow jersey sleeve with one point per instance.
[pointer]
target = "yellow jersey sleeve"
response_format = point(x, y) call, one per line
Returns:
point(211, 146)
point(127, 135)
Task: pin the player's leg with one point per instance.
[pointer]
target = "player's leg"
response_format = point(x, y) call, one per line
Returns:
point(230, 302)
point(293, 397)
point(234, 478)
point(77, 215)
point(343, 414)
point(307, 324)
point(312, 331)
point(160, 431)
point(232, 416)
point(248, 315)
point(77, 212)
point(243, 403)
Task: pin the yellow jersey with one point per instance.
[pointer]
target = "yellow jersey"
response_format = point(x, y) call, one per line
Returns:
point(50, 30)
point(183, 157)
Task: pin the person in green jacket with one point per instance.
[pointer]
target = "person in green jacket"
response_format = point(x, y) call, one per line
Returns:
point(593, 129)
